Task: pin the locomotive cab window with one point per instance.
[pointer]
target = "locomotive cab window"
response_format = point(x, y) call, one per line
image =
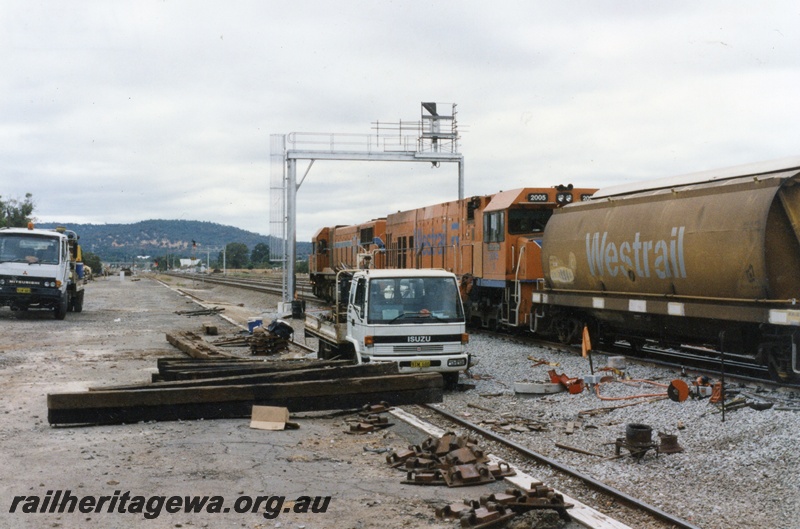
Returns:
point(367, 235)
point(320, 246)
point(494, 227)
point(526, 220)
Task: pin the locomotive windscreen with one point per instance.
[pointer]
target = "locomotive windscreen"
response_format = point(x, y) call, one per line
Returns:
point(525, 220)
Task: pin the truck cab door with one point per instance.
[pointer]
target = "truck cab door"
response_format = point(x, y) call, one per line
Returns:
point(357, 312)
point(63, 262)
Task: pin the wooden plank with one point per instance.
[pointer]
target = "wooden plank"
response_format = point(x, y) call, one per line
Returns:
point(198, 374)
point(194, 345)
point(192, 370)
point(189, 363)
point(114, 407)
point(296, 375)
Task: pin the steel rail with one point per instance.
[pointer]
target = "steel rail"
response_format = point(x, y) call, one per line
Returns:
point(267, 286)
point(599, 485)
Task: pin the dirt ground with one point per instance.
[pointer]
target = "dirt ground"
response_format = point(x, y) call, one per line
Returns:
point(117, 339)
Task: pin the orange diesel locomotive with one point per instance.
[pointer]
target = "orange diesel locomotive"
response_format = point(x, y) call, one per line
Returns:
point(492, 243)
point(337, 248)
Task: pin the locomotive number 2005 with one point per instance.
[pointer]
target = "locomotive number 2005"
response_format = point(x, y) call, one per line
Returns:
point(537, 197)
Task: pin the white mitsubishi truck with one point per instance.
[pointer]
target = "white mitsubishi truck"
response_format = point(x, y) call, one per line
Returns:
point(412, 317)
point(41, 269)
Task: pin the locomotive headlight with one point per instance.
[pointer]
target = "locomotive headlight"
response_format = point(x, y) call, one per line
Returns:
point(564, 198)
point(2, 282)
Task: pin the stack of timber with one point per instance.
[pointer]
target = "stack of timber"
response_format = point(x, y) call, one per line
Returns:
point(220, 388)
point(263, 342)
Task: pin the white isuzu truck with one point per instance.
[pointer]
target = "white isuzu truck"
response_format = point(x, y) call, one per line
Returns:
point(41, 269)
point(412, 317)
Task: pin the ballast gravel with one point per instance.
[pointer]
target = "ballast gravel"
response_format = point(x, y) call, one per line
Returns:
point(740, 472)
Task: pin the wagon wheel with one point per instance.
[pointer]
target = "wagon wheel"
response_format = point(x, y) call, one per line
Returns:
point(780, 370)
point(567, 329)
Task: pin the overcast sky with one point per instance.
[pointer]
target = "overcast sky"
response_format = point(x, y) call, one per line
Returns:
point(116, 112)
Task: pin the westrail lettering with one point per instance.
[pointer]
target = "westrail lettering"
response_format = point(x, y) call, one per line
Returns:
point(663, 257)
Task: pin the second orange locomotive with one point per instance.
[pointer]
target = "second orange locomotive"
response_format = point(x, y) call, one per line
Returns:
point(492, 242)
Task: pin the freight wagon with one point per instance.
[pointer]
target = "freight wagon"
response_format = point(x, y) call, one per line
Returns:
point(711, 259)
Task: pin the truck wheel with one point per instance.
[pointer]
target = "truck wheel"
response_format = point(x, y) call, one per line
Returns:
point(61, 309)
point(77, 302)
point(326, 351)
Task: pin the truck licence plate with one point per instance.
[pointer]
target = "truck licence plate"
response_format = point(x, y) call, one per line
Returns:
point(23, 290)
point(420, 363)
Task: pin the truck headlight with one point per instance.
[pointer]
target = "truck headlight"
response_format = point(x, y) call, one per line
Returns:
point(456, 362)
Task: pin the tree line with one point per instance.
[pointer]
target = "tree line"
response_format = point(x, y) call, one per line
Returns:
point(16, 213)
point(236, 255)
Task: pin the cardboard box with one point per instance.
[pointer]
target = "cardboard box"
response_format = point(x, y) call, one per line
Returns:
point(269, 418)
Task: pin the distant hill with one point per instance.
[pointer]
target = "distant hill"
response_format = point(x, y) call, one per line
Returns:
point(122, 242)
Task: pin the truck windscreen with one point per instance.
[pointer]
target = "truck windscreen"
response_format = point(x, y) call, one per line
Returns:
point(31, 249)
point(414, 300)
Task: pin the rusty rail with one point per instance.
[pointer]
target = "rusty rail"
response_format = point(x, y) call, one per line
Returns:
point(599, 485)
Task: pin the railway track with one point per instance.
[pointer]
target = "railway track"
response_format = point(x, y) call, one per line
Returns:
point(631, 502)
point(266, 285)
